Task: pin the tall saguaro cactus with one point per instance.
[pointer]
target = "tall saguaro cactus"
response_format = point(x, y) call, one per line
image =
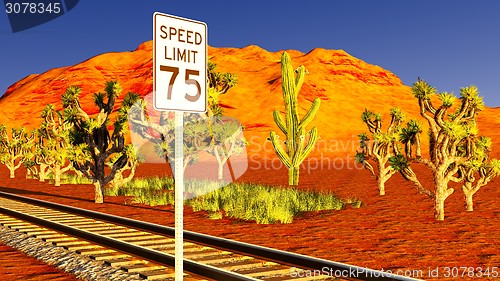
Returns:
point(297, 147)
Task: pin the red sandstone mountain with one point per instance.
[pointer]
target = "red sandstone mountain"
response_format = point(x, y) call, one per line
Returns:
point(345, 84)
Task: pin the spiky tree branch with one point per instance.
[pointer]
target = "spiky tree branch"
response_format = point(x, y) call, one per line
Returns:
point(218, 84)
point(451, 137)
point(161, 132)
point(382, 146)
point(478, 171)
point(16, 148)
point(227, 141)
point(94, 143)
point(53, 144)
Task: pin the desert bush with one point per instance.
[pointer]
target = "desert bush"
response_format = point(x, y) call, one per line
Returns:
point(150, 191)
point(264, 204)
point(246, 201)
point(70, 179)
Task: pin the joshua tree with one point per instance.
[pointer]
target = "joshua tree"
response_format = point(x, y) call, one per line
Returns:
point(227, 141)
point(160, 132)
point(218, 84)
point(478, 171)
point(94, 144)
point(409, 136)
point(15, 149)
point(39, 164)
point(297, 145)
point(133, 160)
point(451, 138)
point(31, 167)
point(34, 161)
point(381, 147)
point(54, 144)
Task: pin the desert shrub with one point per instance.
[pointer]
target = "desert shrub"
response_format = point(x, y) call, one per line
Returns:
point(264, 204)
point(150, 191)
point(247, 201)
point(70, 179)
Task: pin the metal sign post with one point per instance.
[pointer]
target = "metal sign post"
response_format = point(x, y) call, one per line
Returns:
point(179, 194)
point(179, 84)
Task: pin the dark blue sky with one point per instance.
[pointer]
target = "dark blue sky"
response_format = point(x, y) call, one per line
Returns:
point(448, 43)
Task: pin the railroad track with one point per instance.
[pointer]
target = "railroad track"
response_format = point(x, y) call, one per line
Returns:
point(148, 249)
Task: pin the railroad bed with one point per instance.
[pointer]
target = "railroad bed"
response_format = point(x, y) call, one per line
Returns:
point(148, 249)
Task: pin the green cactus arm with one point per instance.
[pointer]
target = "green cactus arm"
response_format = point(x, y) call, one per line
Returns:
point(291, 114)
point(299, 148)
point(279, 149)
point(279, 121)
point(310, 114)
point(287, 74)
point(299, 79)
point(313, 137)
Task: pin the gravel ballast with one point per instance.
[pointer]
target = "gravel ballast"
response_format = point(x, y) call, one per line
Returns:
point(80, 266)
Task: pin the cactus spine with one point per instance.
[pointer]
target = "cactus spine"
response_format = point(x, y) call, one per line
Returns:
point(294, 128)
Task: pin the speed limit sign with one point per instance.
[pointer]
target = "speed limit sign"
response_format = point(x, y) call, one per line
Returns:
point(180, 85)
point(180, 64)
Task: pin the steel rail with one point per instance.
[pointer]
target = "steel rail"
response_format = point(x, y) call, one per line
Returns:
point(341, 270)
point(138, 251)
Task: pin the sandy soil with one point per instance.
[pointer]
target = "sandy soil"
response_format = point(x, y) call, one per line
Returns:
point(391, 232)
point(17, 266)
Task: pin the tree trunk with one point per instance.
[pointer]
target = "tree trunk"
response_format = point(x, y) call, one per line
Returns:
point(220, 172)
point(12, 175)
point(43, 172)
point(293, 176)
point(79, 174)
point(442, 192)
point(99, 192)
point(28, 174)
point(381, 185)
point(439, 207)
point(57, 175)
point(469, 204)
point(408, 174)
point(117, 181)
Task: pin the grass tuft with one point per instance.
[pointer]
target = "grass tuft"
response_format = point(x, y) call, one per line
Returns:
point(247, 201)
point(150, 191)
point(69, 179)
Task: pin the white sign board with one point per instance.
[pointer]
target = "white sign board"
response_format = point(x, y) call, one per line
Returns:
point(180, 64)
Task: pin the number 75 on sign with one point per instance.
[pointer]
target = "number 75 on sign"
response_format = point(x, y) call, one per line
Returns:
point(180, 64)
